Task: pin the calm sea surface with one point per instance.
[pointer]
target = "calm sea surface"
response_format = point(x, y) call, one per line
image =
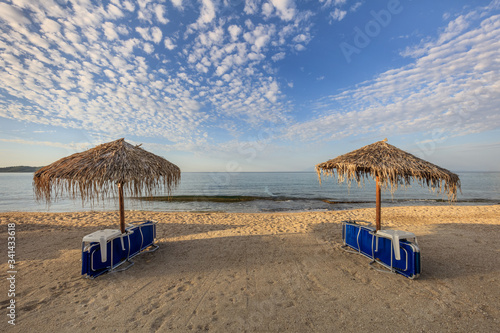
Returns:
point(277, 191)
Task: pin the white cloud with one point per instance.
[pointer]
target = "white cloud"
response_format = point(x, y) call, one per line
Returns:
point(202, 69)
point(129, 6)
point(114, 12)
point(453, 29)
point(249, 24)
point(251, 6)
point(300, 47)
point(122, 29)
point(97, 89)
point(109, 73)
point(329, 3)
point(259, 37)
point(110, 31)
point(151, 12)
point(267, 9)
point(234, 31)
point(338, 15)
point(152, 34)
point(160, 14)
point(169, 44)
point(177, 4)
point(285, 9)
point(242, 92)
point(207, 13)
point(12, 15)
point(126, 47)
point(69, 146)
point(216, 36)
point(261, 41)
point(144, 32)
point(356, 6)
point(156, 35)
point(300, 38)
point(278, 56)
point(452, 86)
point(96, 67)
point(50, 26)
point(273, 90)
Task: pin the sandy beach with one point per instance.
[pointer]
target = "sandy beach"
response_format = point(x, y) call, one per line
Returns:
point(276, 272)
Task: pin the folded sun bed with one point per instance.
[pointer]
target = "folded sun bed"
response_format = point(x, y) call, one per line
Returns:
point(106, 250)
point(397, 251)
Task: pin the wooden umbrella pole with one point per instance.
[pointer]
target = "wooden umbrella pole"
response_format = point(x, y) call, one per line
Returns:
point(122, 208)
point(377, 207)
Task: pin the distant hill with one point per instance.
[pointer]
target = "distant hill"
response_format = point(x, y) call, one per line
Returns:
point(19, 169)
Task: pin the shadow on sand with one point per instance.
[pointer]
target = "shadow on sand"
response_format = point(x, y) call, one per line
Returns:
point(446, 252)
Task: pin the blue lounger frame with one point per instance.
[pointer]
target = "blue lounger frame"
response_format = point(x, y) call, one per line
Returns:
point(362, 239)
point(137, 238)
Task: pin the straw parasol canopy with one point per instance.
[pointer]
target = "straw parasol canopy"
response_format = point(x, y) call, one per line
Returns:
point(100, 172)
point(391, 167)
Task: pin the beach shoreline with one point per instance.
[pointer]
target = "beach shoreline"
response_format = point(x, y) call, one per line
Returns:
point(231, 208)
point(257, 272)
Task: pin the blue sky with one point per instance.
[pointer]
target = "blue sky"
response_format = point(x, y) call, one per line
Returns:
point(251, 85)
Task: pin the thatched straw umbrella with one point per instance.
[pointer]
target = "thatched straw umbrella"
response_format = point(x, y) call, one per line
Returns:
point(390, 166)
point(98, 172)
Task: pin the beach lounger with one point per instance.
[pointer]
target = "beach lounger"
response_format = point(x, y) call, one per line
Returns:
point(395, 250)
point(106, 250)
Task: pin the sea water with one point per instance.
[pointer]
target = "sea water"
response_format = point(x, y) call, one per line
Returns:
point(269, 192)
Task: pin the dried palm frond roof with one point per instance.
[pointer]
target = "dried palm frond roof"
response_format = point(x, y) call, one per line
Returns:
point(95, 173)
point(393, 166)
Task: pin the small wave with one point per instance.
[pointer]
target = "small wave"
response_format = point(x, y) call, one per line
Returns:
point(267, 191)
